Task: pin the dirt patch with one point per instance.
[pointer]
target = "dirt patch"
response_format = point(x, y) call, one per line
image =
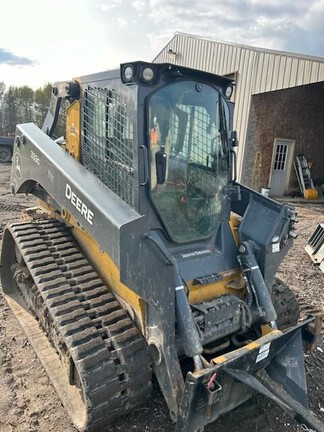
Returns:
point(29, 403)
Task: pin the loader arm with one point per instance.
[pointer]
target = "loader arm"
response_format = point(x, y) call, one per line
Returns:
point(148, 256)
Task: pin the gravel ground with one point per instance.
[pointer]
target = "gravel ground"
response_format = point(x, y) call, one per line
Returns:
point(29, 403)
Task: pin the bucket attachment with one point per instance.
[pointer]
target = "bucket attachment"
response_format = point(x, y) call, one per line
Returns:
point(315, 246)
point(272, 366)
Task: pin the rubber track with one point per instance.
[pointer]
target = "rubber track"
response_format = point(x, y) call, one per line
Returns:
point(108, 351)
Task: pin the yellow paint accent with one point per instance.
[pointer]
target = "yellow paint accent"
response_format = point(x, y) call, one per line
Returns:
point(109, 273)
point(257, 170)
point(220, 359)
point(245, 349)
point(232, 283)
point(104, 265)
point(43, 206)
point(73, 129)
point(274, 333)
point(252, 345)
point(266, 329)
point(234, 223)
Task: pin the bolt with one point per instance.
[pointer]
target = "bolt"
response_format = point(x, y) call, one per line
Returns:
point(242, 249)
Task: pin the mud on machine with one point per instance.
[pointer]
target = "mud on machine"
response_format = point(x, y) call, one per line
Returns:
point(146, 255)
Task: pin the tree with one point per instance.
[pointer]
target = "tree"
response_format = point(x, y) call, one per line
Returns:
point(2, 92)
point(42, 101)
point(24, 105)
point(26, 98)
point(10, 110)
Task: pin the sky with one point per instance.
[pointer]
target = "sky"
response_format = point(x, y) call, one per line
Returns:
point(46, 41)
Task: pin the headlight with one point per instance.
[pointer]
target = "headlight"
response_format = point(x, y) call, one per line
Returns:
point(128, 73)
point(228, 92)
point(148, 74)
point(138, 72)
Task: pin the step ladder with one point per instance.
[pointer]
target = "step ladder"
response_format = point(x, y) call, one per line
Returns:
point(304, 178)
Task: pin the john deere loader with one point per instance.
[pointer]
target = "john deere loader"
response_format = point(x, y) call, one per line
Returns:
point(146, 256)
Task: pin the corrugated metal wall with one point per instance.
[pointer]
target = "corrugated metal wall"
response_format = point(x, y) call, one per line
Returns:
point(279, 71)
point(256, 71)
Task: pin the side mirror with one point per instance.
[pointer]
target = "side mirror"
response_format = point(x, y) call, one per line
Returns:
point(233, 139)
point(160, 164)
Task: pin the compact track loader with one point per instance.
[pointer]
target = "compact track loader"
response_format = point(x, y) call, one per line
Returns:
point(147, 256)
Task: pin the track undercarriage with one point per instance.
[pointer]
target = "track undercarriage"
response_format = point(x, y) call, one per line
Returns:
point(91, 350)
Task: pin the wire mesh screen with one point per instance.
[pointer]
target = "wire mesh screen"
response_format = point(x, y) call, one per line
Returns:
point(108, 141)
point(200, 137)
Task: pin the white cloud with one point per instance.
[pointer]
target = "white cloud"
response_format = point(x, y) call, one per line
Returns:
point(122, 22)
point(139, 5)
point(277, 24)
point(106, 6)
point(93, 35)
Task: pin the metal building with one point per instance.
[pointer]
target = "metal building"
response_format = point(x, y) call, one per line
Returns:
point(260, 76)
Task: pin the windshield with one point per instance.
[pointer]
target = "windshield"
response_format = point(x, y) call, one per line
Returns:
point(188, 122)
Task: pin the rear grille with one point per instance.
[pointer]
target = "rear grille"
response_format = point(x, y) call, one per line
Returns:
point(108, 141)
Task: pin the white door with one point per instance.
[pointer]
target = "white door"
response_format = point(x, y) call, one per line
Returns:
point(281, 166)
